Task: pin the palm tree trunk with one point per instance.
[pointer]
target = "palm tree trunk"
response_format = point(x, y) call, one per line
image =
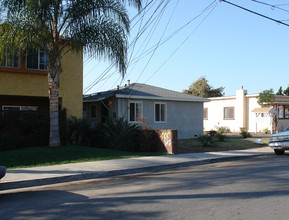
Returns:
point(54, 137)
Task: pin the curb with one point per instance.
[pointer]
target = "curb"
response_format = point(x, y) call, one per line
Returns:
point(115, 173)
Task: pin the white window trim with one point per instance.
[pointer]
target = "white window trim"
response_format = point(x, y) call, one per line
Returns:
point(161, 103)
point(229, 107)
point(38, 61)
point(140, 102)
point(6, 60)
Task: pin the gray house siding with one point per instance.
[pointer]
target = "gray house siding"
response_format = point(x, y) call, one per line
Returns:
point(183, 116)
point(183, 112)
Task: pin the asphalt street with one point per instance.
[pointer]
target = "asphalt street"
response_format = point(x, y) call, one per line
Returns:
point(253, 188)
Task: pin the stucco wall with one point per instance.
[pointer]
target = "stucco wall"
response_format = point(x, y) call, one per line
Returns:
point(257, 124)
point(35, 83)
point(216, 115)
point(71, 84)
point(186, 117)
point(243, 118)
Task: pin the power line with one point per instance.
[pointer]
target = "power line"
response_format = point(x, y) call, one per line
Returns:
point(272, 6)
point(253, 12)
point(89, 87)
point(183, 42)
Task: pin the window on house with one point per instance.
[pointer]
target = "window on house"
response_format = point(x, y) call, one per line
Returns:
point(38, 60)
point(281, 112)
point(10, 59)
point(206, 113)
point(93, 111)
point(135, 111)
point(265, 115)
point(286, 111)
point(160, 112)
point(229, 113)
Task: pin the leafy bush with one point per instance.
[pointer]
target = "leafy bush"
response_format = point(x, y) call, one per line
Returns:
point(205, 140)
point(266, 131)
point(6, 142)
point(222, 130)
point(212, 133)
point(120, 135)
point(221, 137)
point(34, 127)
point(77, 131)
point(244, 133)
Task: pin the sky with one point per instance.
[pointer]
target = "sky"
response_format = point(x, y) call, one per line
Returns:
point(179, 41)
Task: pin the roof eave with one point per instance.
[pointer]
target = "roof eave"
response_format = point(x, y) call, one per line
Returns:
point(160, 98)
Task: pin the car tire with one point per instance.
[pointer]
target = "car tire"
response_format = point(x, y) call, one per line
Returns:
point(279, 152)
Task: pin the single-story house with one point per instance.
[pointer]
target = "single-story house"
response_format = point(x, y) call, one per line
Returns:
point(243, 111)
point(159, 108)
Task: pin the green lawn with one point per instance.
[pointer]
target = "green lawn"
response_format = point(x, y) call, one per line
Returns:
point(44, 156)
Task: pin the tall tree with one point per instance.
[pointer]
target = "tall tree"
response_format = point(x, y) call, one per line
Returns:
point(286, 91)
point(266, 97)
point(280, 91)
point(201, 88)
point(98, 27)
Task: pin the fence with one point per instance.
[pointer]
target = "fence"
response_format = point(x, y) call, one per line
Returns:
point(20, 129)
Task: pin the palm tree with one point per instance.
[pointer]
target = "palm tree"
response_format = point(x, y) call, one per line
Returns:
point(96, 27)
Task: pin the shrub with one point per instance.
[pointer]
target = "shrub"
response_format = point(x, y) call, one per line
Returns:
point(244, 133)
point(266, 131)
point(35, 128)
point(120, 135)
point(222, 130)
point(77, 131)
point(7, 142)
point(205, 140)
point(221, 137)
point(212, 133)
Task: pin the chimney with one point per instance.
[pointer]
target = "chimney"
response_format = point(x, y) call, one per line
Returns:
point(128, 82)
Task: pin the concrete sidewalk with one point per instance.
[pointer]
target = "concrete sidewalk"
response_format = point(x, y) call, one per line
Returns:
point(41, 176)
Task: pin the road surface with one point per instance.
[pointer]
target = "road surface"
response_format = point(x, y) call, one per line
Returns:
point(255, 188)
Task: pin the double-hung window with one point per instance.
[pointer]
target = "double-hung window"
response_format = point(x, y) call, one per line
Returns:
point(37, 60)
point(135, 111)
point(283, 112)
point(205, 113)
point(229, 113)
point(160, 112)
point(10, 59)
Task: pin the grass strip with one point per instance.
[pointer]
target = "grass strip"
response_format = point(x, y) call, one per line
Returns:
point(46, 156)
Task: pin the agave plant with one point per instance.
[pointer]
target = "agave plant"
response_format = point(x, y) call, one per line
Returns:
point(120, 135)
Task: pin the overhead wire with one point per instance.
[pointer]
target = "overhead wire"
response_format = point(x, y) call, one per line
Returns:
point(89, 87)
point(145, 53)
point(183, 42)
point(272, 6)
point(158, 44)
point(256, 13)
point(148, 51)
point(153, 29)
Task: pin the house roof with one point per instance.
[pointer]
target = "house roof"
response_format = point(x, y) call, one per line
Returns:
point(144, 91)
point(263, 110)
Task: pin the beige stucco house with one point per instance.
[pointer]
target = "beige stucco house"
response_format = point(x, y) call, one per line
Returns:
point(243, 111)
